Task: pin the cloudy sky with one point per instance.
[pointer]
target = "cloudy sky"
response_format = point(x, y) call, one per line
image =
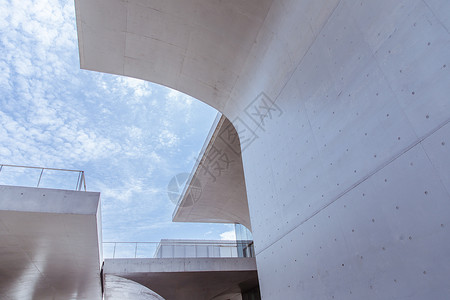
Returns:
point(129, 136)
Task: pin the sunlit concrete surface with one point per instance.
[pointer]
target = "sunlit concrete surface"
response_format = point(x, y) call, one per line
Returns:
point(343, 113)
point(215, 192)
point(49, 244)
point(184, 278)
point(118, 288)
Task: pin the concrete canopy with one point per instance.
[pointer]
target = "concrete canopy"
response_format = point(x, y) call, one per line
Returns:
point(49, 244)
point(215, 191)
point(195, 46)
point(186, 278)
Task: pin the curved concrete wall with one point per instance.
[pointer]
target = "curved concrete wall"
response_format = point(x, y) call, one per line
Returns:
point(342, 109)
point(348, 188)
point(215, 191)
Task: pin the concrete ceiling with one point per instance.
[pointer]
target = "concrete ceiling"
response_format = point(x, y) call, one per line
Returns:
point(49, 244)
point(187, 278)
point(216, 192)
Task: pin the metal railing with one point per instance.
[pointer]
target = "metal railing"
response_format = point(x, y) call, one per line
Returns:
point(129, 249)
point(21, 178)
point(178, 249)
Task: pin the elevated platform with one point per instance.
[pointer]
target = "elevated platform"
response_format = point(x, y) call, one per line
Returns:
point(49, 244)
point(180, 278)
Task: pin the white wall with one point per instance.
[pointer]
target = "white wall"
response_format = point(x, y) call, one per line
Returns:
point(348, 180)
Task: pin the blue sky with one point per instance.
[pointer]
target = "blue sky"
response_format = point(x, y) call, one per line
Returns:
point(129, 136)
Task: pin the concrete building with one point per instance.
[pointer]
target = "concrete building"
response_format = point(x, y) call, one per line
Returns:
point(51, 248)
point(184, 270)
point(50, 243)
point(179, 278)
point(341, 109)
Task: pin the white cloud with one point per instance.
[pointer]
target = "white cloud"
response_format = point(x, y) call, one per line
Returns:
point(123, 193)
point(133, 90)
point(134, 132)
point(179, 103)
point(139, 87)
point(181, 100)
point(168, 139)
point(228, 235)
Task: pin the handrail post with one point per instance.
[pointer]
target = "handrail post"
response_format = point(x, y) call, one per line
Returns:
point(114, 252)
point(135, 251)
point(40, 176)
point(78, 186)
point(84, 180)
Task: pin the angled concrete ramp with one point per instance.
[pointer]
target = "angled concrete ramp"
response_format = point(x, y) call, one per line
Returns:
point(182, 278)
point(49, 244)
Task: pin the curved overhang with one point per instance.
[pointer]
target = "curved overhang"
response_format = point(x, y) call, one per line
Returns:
point(198, 47)
point(224, 53)
point(215, 191)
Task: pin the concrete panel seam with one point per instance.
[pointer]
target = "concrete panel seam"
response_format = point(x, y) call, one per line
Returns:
point(376, 170)
point(306, 52)
point(435, 170)
point(395, 93)
point(437, 18)
point(247, 56)
point(299, 63)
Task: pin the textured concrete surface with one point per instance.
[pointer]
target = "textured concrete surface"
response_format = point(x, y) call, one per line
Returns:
point(342, 110)
point(118, 288)
point(49, 244)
